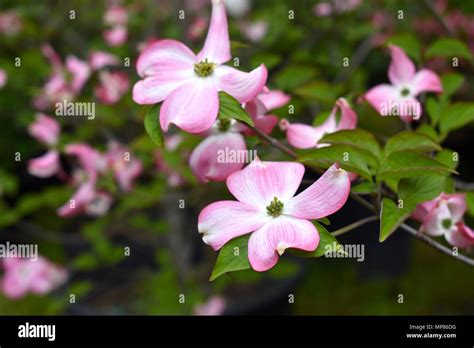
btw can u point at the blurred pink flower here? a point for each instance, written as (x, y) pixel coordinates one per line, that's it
(443, 216)
(215, 305)
(196, 29)
(112, 87)
(255, 31)
(65, 82)
(46, 165)
(124, 165)
(10, 23)
(189, 84)
(324, 9)
(91, 160)
(116, 36)
(116, 15)
(303, 136)
(3, 78)
(116, 18)
(399, 98)
(45, 129)
(22, 276)
(86, 200)
(100, 59)
(266, 208)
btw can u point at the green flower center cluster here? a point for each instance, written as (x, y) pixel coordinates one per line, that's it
(447, 223)
(275, 208)
(405, 92)
(204, 68)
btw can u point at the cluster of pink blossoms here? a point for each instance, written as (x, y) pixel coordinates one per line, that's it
(442, 216)
(23, 276)
(67, 80)
(188, 86)
(89, 166)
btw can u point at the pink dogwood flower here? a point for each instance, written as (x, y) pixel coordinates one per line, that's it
(65, 82)
(303, 136)
(23, 276)
(266, 208)
(126, 167)
(86, 200)
(442, 216)
(100, 59)
(219, 155)
(116, 36)
(399, 98)
(188, 83)
(260, 105)
(112, 87)
(46, 130)
(116, 17)
(46, 165)
(224, 151)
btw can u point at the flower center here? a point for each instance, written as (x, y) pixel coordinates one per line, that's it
(223, 124)
(405, 92)
(204, 68)
(447, 223)
(275, 207)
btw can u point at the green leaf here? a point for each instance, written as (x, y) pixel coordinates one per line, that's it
(232, 257)
(427, 130)
(419, 189)
(229, 107)
(364, 187)
(320, 91)
(448, 47)
(409, 140)
(409, 43)
(470, 203)
(434, 110)
(327, 244)
(324, 221)
(447, 157)
(456, 116)
(294, 76)
(353, 137)
(451, 83)
(391, 217)
(402, 164)
(152, 125)
(350, 158)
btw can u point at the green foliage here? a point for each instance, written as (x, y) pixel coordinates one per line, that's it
(352, 159)
(448, 47)
(391, 217)
(152, 124)
(402, 164)
(456, 116)
(232, 257)
(409, 140)
(229, 108)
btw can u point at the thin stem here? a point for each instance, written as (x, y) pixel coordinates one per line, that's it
(435, 245)
(354, 225)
